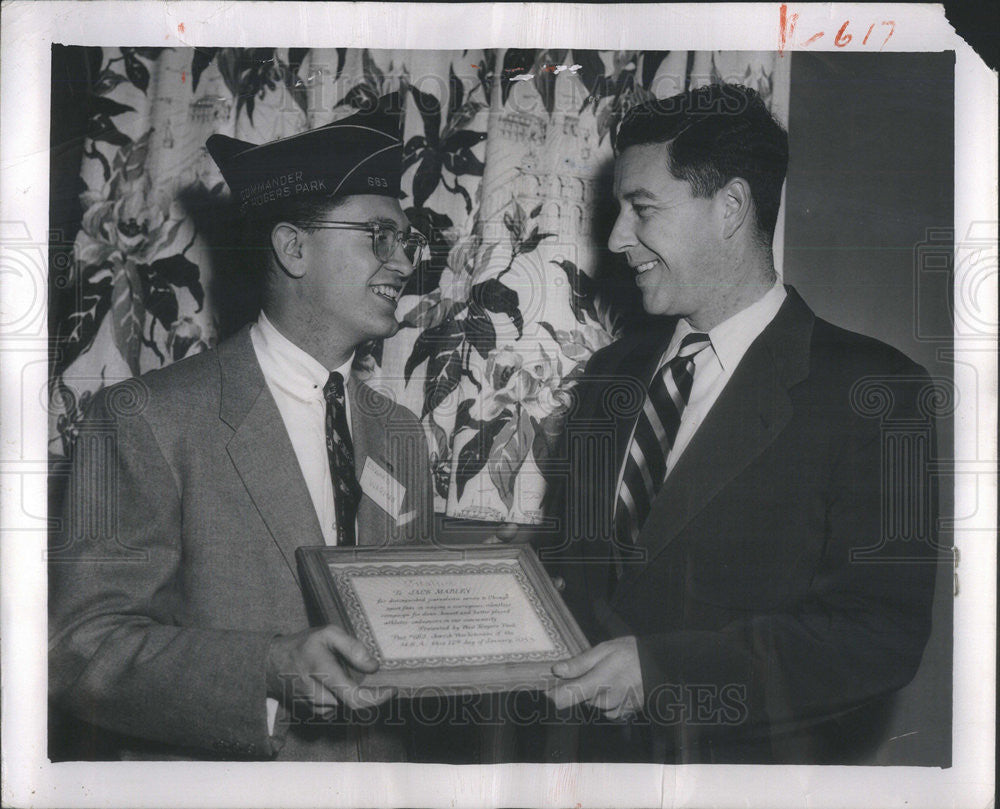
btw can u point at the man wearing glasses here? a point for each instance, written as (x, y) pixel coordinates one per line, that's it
(181, 627)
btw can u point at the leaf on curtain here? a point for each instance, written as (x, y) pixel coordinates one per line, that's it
(100, 105)
(185, 335)
(435, 227)
(473, 456)
(480, 331)
(427, 177)
(107, 81)
(76, 333)
(462, 163)
(651, 61)
(296, 56)
(581, 285)
(514, 221)
(160, 298)
(592, 75)
(293, 82)
(463, 139)
(368, 356)
(226, 61)
(494, 296)
(444, 371)
(531, 243)
(484, 72)
(515, 62)
(179, 272)
(258, 71)
(464, 420)
(456, 92)
(430, 111)
(604, 121)
(100, 128)
(151, 53)
(411, 151)
(425, 313)
(202, 59)
(135, 70)
(435, 341)
(372, 73)
(545, 76)
(360, 97)
(508, 453)
(128, 313)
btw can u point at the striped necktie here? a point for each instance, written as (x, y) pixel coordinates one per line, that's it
(340, 451)
(654, 435)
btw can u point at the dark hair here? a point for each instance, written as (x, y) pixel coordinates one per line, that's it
(713, 134)
(258, 223)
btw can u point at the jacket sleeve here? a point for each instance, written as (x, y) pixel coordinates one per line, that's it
(118, 656)
(859, 630)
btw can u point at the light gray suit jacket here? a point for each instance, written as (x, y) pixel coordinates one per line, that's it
(174, 564)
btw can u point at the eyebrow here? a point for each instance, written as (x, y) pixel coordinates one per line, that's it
(385, 220)
(638, 193)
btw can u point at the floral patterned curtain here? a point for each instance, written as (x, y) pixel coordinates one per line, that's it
(507, 155)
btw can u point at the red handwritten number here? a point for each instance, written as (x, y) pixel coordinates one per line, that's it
(892, 27)
(786, 28)
(842, 38)
(782, 23)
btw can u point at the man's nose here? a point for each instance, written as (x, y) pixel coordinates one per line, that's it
(621, 237)
(400, 262)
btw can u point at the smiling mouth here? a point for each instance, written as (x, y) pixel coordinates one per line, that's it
(644, 267)
(390, 293)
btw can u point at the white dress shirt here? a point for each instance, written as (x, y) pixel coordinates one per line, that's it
(296, 381)
(714, 366)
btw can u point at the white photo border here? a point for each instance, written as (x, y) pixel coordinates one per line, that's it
(28, 32)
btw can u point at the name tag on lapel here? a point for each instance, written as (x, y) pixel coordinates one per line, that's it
(382, 488)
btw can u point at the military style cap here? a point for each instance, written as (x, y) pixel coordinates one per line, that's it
(361, 154)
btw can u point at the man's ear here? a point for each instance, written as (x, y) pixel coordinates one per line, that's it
(737, 205)
(286, 242)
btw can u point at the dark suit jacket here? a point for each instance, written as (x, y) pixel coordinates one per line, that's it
(176, 562)
(757, 630)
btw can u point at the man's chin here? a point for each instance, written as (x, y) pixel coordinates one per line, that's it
(657, 308)
(387, 329)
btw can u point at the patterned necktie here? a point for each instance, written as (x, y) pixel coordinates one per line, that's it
(655, 432)
(340, 451)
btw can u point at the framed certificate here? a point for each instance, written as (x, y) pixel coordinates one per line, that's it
(440, 621)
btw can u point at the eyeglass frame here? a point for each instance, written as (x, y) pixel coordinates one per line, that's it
(374, 228)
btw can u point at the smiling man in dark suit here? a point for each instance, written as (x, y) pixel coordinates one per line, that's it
(177, 621)
(736, 580)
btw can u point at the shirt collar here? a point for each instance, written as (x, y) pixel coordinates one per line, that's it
(731, 338)
(286, 365)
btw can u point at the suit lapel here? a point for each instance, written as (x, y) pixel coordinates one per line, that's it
(262, 452)
(750, 412)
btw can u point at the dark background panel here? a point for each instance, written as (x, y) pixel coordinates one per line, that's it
(868, 244)
(869, 192)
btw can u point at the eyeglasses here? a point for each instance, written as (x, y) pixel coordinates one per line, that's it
(385, 238)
